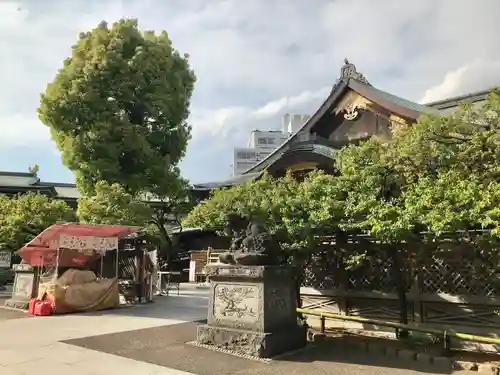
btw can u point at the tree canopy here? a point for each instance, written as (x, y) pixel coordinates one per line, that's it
(118, 108)
(111, 204)
(118, 111)
(25, 216)
(439, 175)
(295, 212)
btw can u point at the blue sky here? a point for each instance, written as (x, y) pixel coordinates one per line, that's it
(249, 57)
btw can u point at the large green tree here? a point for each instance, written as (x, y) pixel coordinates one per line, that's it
(118, 112)
(113, 205)
(438, 175)
(168, 208)
(297, 213)
(25, 216)
(118, 108)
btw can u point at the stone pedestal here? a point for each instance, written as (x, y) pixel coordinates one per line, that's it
(252, 310)
(25, 286)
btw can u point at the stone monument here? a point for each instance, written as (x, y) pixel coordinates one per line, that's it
(252, 303)
(25, 286)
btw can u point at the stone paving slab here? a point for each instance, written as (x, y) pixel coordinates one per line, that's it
(166, 346)
(31, 346)
(8, 314)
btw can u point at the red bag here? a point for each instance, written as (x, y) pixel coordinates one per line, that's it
(32, 304)
(43, 308)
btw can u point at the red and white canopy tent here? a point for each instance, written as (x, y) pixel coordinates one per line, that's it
(71, 244)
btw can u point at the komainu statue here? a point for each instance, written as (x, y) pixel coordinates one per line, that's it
(251, 244)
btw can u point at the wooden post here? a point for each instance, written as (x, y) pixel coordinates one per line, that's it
(209, 251)
(342, 280)
(139, 270)
(342, 287)
(416, 294)
(398, 278)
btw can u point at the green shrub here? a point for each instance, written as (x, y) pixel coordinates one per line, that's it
(6, 276)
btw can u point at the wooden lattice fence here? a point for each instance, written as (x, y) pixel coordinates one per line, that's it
(441, 290)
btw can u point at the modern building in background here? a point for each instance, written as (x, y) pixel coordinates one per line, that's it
(262, 143)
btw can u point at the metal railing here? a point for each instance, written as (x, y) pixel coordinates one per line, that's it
(445, 334)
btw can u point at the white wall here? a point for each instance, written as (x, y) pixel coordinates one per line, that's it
(262, 143)
(243, 159)
(262, 139)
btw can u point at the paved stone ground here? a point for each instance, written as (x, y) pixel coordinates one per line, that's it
(5, 294)
(150, 340)
(166, 346)
(32, 346)
(7, 314)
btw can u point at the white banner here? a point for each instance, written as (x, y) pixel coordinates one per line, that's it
(103, 244)
(79, 243)
(88, 243)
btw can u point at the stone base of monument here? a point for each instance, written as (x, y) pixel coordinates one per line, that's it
(25, 286)
(250, 343)
(252, 311)
(16, 304)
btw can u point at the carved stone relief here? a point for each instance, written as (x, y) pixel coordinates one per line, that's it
(23, 285)
(246, 343)
(252, 311)
(238, 303)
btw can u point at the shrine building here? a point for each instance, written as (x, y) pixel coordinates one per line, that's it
(354, 111)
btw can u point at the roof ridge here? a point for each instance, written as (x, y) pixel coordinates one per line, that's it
(16, 174)
(57, 184)
(458, 98)
(373, 93)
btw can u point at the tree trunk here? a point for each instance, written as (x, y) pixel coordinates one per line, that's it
(298, 283)
(300, 277)
(165, 243)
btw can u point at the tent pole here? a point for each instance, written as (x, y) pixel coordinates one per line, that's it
(102, 264)
(41, 270)
(117, 263)
(56, 272)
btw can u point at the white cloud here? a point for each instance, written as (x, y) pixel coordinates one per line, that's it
(223, 122)
(12, 15)
(475, 76)
(291, 104)
(249, 56)
(21, 130)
